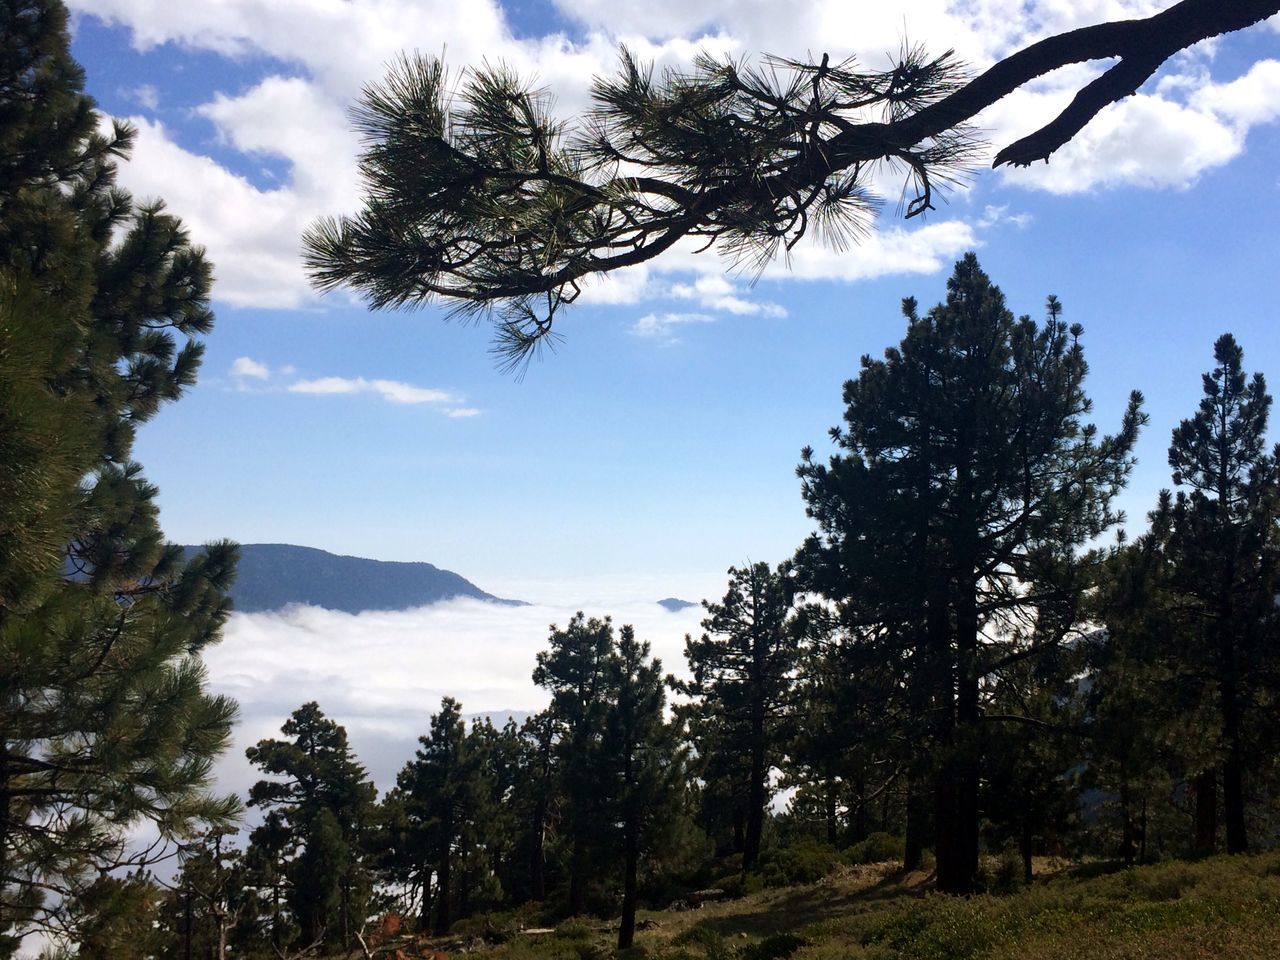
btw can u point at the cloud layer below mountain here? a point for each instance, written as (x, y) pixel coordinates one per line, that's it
(382, 674)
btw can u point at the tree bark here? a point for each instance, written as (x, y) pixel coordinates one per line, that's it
(627, 929)
(443, 920)
(756, 793)
(578, 876)
(1233, 765)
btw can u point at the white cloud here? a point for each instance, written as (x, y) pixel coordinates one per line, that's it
(247, 367)
(716, 293)
(993, 214)
(662, 325)
(1163, 138)
(146, 95)
(481, 653)
(463, 412)
(393, 391)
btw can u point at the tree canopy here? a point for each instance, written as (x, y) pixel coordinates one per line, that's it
(484, 200)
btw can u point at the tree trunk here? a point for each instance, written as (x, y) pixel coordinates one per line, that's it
(631, 861)
(914, 830)
(1233, 765)
(424, 911)
(1206, 794)
(578, 875)
(830, 812)
(1127, 840)
(537, 857)
(968, 723)
(1028, 837)
(443, 920)
(756, 792)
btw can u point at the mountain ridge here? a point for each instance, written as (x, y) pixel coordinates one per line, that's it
(273, 575)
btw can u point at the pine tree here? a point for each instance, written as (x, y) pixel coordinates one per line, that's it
(1228, 559)
(967, 481)
(576, 671)
(647, 768)
(438, 786)
(742, 677)
(105, 723)
(1144, 711)
(319, 816)
(477, 195)
(205, 901)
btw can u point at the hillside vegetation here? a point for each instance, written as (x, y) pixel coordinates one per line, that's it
(1222, 907)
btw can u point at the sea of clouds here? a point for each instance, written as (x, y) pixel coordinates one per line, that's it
(381, 674)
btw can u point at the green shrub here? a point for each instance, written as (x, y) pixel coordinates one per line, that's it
(1003, 874)
(777, 947)
(712, 944)
(805, 861)
(877, 848)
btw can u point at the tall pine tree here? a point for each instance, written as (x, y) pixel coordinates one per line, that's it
(1227, 560)
(743, 672)
(967, 481)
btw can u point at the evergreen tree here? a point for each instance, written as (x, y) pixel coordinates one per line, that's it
(848, 745)
(534, 797)
(576, 671)
(648, 771)
(476, 194)
(1143, 708)
(105, 723)
(438, 788)
(742, 677)
(206, 901)
(1227, 552)
(319, 818)
(499, 754)
(967, 480)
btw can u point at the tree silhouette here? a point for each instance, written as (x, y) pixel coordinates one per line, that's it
(484, 200)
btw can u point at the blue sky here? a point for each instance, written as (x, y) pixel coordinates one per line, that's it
(660, 440)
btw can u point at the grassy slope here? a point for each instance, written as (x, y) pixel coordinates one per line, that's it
(1219, 908)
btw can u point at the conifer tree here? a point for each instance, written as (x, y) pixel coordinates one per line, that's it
(1143, 707)
(1228, 559)
(322, 802)
(534, 797)
(438, 788)
(576, 671)
(647, 768)
(966, 482)
(105, 723)
(742, 677)
(478, 195)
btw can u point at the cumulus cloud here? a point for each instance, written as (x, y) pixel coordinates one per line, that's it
(716, 293)
(381, 674)
(247, 367)
(393, 391)
(663, 325)
(326, 52)
(146, 95)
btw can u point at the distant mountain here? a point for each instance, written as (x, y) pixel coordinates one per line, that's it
(674, 605)
(274, 575)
